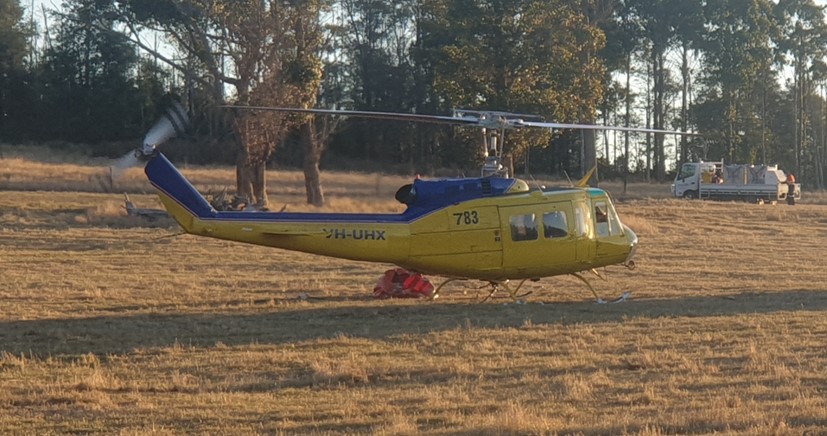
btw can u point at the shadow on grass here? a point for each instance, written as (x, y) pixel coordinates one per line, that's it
(374, 320)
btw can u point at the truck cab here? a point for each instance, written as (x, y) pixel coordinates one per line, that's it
(691, 175)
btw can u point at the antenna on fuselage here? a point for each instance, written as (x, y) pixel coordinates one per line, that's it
(536, 183)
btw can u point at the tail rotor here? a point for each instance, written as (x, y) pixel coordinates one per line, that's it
(174, 122)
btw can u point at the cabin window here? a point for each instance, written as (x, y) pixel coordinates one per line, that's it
(582, 224)
(555, 224)
(523, 227)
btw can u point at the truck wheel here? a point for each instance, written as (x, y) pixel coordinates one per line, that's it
(690, 194)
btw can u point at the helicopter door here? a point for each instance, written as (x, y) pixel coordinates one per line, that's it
(538, 237)
(583, 232)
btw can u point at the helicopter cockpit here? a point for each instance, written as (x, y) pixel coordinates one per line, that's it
(614, 238)
(606, 220)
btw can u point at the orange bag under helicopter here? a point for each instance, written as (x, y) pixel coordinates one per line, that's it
(401, 283)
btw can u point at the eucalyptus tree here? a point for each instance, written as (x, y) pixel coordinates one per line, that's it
(521, 56)
(12, 54)
(623, 39)
(305, 70)
(804, 39)
(663, 24)
(739, 65)
(86, 67)
(260, 52)
(12, 35)
(818, 114)
(376, 43)
(689, 37)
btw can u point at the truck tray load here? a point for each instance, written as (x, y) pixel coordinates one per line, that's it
(717, 181)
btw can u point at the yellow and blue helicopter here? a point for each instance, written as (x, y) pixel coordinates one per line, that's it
(489, 228)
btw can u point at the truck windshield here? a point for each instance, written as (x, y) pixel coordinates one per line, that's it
(687, 170)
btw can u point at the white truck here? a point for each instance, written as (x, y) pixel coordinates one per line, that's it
(716, 181)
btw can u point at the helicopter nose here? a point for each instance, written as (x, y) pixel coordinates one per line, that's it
(631, 238)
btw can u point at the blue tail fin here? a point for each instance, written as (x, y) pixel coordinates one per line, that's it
(167, 179)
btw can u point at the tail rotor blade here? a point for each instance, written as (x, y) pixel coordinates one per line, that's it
(123, 163)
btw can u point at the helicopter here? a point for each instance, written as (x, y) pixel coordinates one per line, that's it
(492, 228)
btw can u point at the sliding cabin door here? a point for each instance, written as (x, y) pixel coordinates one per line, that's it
(539, 239)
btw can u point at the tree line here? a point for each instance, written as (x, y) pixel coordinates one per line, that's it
(748, 76)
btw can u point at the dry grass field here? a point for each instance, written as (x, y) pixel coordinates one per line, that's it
(110, 325)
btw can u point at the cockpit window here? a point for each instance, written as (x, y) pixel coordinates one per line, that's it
(523, 227)
(601, 218)
(606, 220)
(614, 222)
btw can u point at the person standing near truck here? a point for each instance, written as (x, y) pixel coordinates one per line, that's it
(791, 189)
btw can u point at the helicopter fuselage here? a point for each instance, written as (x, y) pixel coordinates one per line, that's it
(491, 229)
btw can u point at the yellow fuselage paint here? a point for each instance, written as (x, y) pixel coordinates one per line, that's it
(472, 239)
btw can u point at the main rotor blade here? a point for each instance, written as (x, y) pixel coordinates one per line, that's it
(598, 127)
(466, 117)
(440, 119)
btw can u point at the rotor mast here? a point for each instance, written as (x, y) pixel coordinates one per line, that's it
(493, 141)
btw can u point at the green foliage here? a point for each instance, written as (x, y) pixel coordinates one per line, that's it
(752, 69)
(88, 64)
(518, 56)
(12, 36)
(12, 74)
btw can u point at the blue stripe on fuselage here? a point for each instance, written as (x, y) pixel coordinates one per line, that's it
(166, 178)
(434, 195)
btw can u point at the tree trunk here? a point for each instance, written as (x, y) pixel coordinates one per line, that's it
(312, 147)
(243, 177)
(802, 138)
(660, 88)
(684, 153)
(589, 152)
(648, 121)
(627, 120)
(259, 172)
(251, 180)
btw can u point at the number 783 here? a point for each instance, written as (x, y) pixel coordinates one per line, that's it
(468, 217)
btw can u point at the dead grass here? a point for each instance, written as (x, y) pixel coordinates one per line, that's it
(105, 328)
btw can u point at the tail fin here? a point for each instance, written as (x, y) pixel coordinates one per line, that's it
(172, 184)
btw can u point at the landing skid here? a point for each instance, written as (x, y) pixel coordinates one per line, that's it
(599, 300)
(515, 296)
(495, 286)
